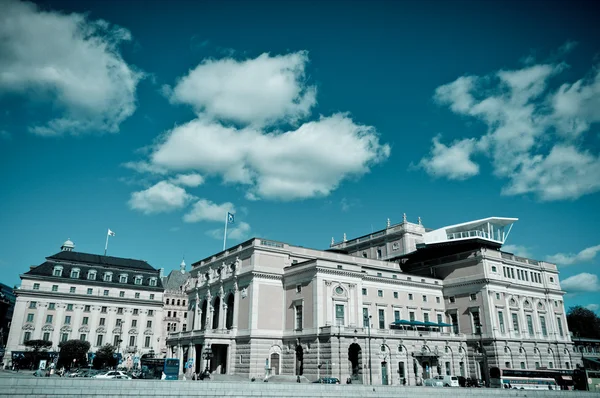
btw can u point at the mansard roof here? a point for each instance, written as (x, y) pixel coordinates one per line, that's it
(105, 261)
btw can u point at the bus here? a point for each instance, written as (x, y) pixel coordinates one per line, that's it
(154, 368)
(531, 379)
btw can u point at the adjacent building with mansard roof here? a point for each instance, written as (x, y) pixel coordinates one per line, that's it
(395, 306)
(100, 299)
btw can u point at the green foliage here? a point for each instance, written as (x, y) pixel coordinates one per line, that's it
(73, 350)
(583, 322)
(38, 345)
(104, 357)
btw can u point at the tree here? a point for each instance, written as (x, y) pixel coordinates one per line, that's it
(105, 357)
(583, 322)
(35, 347)
(73, 353)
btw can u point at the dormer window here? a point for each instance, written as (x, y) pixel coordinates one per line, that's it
(138, 280)
(108, 277)
(57, 271)
(91, 275)
(75, 273)
(123, 278)
(152, 281)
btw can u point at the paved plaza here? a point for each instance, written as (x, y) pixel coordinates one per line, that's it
(23, 385)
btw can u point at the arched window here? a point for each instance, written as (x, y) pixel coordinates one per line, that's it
(167, 302)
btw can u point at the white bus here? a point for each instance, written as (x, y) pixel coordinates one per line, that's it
(522, 379)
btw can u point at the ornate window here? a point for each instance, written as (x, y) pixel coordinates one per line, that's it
(75, 273)
(107, 277)
(91, 275)
(57, 271)
(153, 281)
(123, 278)
(138, 280)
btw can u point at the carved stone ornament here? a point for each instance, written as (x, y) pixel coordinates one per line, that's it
(148, 332)
(133, 331)
(244, 292)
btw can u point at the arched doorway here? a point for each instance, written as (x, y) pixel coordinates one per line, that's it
(216, 312)
(229, 316)
(299, 360)
(355, 358)
(203, 319)
(275, 364)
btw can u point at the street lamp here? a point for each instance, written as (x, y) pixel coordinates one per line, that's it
(207, 355)
(368, 319)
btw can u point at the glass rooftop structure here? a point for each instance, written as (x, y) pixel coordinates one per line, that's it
(494, 229)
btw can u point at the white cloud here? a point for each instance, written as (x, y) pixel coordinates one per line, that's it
(517, 250)
(564, 259)
(145, 167)
(307, 162)
(583, 282)
(240, 231)
(565, 173)
(160, 198)
(593, 307)
(72, 61)
(205, 210)
(253, 91)
(453, 162)
(188, 180)
(530, 131)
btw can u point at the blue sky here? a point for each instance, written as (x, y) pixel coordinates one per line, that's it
(306, 119)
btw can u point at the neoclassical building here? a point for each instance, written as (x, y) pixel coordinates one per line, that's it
(100, 299)
(392, 307)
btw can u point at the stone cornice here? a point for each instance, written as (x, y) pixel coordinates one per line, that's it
(85, 297)
(94, 283)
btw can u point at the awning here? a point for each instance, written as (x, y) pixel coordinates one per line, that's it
(432, 324)
(596, 360)
(445, 325)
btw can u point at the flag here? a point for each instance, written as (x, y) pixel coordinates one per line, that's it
(230, 218)
(111, 233)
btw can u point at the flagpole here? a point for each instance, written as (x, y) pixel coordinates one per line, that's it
(106, 245)
(225, 235)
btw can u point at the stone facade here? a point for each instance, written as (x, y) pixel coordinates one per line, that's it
(175, 309)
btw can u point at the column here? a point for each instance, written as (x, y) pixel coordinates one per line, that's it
(180, 357)
(236, 307)
(222, 313)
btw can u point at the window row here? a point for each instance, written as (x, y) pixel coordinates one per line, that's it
(541, 325)
(99, 339)
(365, 292)
(172, 302)
(85, 320)
(523, 275)
(106, 276)
(88, 308)
(90, 291)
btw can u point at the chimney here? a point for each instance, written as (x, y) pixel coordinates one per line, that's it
(161, 272)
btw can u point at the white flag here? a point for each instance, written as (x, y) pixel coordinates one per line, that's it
(111, 233)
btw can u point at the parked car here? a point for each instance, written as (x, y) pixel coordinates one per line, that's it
(451, 381)
(113, 374)
(327, 380)
(436, 381)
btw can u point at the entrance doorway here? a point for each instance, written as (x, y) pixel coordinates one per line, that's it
(426, 370)
(355, 358)
(299, 360)
(384, 373)
(218, 363)
(274, 364)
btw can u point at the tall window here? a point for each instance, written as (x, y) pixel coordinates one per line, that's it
(29, 317)
(102, 321)
(117, 340)
(529, 324)
(131, 341)
(522, 365)
(85, 320)
(476, 322)
(411, 316)
(560, 329)
(299, 317)
(501, 321)
(515, 320)
(448, 369)
(82, 337)
(134, 323)
(395, 295)
(339, 314)
(543, 324)
(147, 342)
(149, 324)
(396, 315)
(381, 319)
(68, 320)
(64, 337)
(46, 336)
(99, 340)
(48, 318)
(365, 317)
